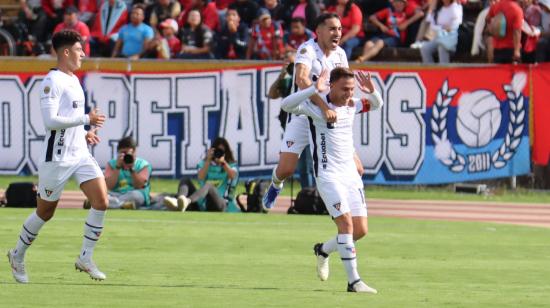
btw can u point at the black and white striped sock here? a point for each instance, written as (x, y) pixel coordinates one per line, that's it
(28, 234)
(92, 231)
(346, 248)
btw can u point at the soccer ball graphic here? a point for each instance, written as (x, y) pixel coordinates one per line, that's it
(478, 118)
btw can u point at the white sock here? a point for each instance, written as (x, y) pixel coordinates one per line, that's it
(29, 232)
(92, 230)
(275, 180)
(346, 248)
(330, 246)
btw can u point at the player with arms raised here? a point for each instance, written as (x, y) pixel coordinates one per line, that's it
(312, 56)
(65, 154)
(338, 182)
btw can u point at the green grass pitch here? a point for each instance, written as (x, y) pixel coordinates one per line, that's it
(163, 259)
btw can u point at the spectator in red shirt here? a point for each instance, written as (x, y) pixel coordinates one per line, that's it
(351, 18)
(393, 23)
(297, 35)
(111, 17)
(168, 46)
(505, 19)
(71, 22)
(531, 30)
(54, 10)
(267, 41)
(208, 11)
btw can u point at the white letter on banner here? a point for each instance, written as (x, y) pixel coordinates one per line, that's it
(36, 130)
(111, 94)
(405, 104)
(12, 125)
(153, 96)
(273, 132)
(239, 118)
(369, 136)
(196, 95)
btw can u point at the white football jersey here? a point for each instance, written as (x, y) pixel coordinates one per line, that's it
(311, 55)
(62, 105)
(332, 143)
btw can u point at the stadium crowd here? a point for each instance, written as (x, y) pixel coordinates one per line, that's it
(505, 30)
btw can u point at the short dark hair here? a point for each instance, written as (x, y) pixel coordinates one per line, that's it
(65, 38)
(339, 73)
(126, 143)
(323, 17)
(298, 19)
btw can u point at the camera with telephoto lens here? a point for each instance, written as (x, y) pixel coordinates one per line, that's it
(218, 153)
(128, 158)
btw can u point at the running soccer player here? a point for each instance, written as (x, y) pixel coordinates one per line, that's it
(65, 154)
(338, 182)
(311, 57)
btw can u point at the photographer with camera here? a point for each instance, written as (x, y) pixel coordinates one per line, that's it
(127, 177)
(217, 177)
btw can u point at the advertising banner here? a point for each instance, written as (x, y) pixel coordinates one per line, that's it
(437, 125)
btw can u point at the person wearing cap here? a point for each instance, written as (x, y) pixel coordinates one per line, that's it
(393, 23)
(232, 40)
(71, 22)
(163, 10)
(508, 16)
(266, 42)
(543, 45)
(168, 46)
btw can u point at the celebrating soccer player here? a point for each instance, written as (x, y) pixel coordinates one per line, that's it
(311, 57)
(65, 154)
(339, 184)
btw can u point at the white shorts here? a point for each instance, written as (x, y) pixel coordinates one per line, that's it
(53, 175)
(296, 136)
(341, 198)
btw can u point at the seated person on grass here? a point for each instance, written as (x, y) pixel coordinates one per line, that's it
(217, 177)
(127, 177)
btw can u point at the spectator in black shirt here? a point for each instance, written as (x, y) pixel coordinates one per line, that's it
(233, 38)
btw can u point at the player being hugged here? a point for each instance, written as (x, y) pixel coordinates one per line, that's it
(338, 181)
(312, 57)
(65, 154)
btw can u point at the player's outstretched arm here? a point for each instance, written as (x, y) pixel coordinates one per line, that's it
(366, 85)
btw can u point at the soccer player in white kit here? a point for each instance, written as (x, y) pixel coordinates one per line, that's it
(65, 154)
(311, 57)
(338, 182)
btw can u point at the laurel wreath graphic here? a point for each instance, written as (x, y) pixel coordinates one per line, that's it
(515, 127)
(444, 149)
(455, 161)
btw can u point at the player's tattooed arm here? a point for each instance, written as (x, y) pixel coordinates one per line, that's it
(303, 82)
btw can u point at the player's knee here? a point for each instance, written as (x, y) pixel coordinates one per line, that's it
(345, 226)
(100, 204)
